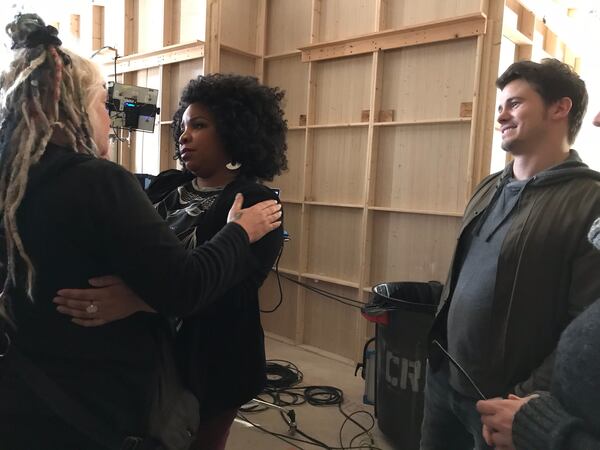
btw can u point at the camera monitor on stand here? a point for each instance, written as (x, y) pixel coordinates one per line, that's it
(132, 107)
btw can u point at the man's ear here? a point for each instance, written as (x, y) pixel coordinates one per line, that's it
(560, 109)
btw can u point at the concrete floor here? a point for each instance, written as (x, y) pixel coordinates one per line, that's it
(320, 422)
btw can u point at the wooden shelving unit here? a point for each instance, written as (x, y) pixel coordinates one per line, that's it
(390, 107)
(376, 197)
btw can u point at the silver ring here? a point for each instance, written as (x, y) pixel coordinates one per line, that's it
(92, 308)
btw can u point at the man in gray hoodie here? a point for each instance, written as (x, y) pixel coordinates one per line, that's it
(522, 269)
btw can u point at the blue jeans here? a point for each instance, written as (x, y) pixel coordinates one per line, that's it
(450, 420)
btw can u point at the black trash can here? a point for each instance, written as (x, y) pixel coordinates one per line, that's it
(403, 312)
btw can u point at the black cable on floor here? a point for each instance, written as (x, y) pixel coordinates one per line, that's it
(283, 380)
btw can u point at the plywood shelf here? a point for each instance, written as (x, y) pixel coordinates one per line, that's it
(416, 211)
(166, 122)
(240, 52)
(516, 36)
(167, 55)
(470, 25)
(284, 55)
(337, 205)
(333, 280)
(423, 122)
(289, 271)
(338, 125)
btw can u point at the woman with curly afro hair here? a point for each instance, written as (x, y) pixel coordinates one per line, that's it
(231, 135)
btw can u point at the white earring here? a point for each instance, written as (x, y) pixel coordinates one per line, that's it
(233, 166)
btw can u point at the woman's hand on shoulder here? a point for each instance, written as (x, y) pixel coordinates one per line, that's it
(108, 300)
(257, 220)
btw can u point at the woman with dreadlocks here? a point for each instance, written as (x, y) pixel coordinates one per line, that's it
(67, 216)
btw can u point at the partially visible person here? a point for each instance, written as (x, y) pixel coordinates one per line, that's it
(567, 417)
(68, 216)
(522, 269)
(231, 135)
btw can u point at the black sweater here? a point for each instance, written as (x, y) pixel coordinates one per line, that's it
(568, 417)
(221, 349)
(83, 217)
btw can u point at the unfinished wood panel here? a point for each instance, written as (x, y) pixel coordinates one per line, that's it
(499, 156)
(400, 13)
(290, 181)
(359, 167)
(189, 20)
(235, 63)
(411, 247)
(288, 25)
(147, 145)
(119, 29)
(238, 24)
(526, 23)
(484, 103)
(291, 75)
(333, 242)
(342, 89)
(539, 39)
(330, 325)
(442, 75)
(511, 16)
(97, 27)
(283, 320)
(180, 75)
(148, 31)
(338, 162)
(290, 257)
(423, 167)
(553, 46)
(344, 18)
(167, 148)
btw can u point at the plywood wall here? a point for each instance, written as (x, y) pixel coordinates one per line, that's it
(379, 152)
(390, 107)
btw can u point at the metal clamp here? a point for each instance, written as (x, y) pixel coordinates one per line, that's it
(290, 413)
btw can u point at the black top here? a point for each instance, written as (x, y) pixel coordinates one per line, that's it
(221, 349)
(83, 217)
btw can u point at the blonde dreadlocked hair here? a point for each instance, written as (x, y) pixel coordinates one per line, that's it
(45, 89)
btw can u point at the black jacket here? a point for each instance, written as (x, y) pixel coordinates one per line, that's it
(221, 349)
(547, 273)
(83, 217)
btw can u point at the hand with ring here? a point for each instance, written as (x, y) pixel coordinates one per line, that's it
(108, 299)
(92, 308)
